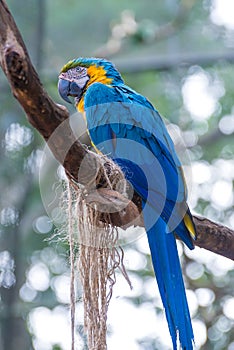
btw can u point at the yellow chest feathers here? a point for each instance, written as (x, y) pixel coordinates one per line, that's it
(96, 74)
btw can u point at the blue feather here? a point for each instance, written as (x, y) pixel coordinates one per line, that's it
(170, 282)
(145, 151)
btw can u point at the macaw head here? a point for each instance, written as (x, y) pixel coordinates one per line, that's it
(77, 75)
(72, 82)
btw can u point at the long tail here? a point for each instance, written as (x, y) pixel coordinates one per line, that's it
(170, 283)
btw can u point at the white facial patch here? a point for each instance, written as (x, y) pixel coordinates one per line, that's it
(78, 75)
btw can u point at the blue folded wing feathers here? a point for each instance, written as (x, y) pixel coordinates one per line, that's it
(147, 141)
(143, 147)
(106, 107)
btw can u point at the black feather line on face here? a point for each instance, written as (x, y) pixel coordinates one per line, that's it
(74, 74)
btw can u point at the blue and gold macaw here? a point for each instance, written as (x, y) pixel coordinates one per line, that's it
(125, 126)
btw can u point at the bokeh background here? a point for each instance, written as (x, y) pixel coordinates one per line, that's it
(180, 54)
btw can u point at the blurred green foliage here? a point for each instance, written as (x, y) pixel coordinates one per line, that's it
(34, 269)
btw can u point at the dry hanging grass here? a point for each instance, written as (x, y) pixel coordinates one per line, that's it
(98, 252)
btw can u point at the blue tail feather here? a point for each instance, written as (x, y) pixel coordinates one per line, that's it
(170, 283)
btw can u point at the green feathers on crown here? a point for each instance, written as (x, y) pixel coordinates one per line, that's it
(111, 71)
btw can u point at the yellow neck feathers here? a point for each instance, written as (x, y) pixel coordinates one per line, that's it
(96, 74)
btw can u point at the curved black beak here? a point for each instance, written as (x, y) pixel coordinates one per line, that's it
(64, 89)
(69, 88)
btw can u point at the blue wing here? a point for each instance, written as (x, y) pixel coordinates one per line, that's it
(125, 126)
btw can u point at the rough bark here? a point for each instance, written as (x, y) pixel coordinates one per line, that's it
(51, 120)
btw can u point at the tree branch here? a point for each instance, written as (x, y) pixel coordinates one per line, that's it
(51, 120)
(212, 236)
(26, 87)
(167, 62)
